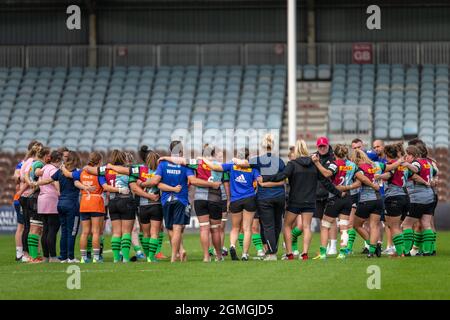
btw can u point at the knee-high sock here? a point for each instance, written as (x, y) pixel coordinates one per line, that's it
(146, 246)
(372, 248)
(428, 237)
(241, 239)
(295, 233)
(160, 242)
(398, 243)
(351, 239)
(153, 246)
(33, 245)
(115, 246)
(257, 242)
(418, 240)
(433, 246)
(126, 246)
(408, 237)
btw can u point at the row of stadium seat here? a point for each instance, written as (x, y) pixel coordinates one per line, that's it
(135, 105)
(406, 100)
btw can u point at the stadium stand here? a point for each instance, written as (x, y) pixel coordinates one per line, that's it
(123, 107)
(102, 109)
(407, 101)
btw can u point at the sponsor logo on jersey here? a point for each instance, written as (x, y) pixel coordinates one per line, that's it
(205, 167)
(372, 170)
(170, 171)
(237, 168)
(146, 175)
(240, 179)
(135, 170)
(345, 168)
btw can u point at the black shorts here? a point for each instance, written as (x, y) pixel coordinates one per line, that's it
(247, 204)
(320, 208)
(366, 208)
(88, 215)
(151, 212)
(355, 199)
(300, 210)
(436, 199)
(224, 206)
(417, 210)
(32, 205)
(336, 206)
(106, 213)
(36, 219)
(122, 209)
(383, 212)
(396, 206)
(211, 208)
(23, 201)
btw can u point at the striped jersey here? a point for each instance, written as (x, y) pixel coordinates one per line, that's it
(396, 185)
(142, 172)
(343, 173)
(420, 193)
(115, 180)
(368, 193)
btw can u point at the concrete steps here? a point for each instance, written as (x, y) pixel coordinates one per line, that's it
(312, 114)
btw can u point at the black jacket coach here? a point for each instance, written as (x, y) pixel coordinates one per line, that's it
(303, 179)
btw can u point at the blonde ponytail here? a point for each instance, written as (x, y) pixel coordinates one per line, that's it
(268, 141)
(359, 156)
(301, 149)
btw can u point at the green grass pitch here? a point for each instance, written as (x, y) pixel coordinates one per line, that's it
(407, 278)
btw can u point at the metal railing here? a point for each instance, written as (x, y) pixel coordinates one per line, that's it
(216, 54)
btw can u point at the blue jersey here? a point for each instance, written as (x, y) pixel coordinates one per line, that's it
(268, 165)
(68, 191)
(19, 165)
(242, 181)
(381, 164)
(173, 175)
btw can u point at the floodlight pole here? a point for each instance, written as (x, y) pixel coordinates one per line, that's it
(292, 69)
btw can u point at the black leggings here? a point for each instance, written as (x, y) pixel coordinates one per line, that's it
(26, 222)
(271, 214)
(49, 232)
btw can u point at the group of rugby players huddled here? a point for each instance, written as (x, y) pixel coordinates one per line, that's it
(385, 192)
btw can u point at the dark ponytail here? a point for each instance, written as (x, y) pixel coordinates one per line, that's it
(143, 152)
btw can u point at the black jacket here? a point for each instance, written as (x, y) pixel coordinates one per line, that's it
(322, 192)
(303, 178)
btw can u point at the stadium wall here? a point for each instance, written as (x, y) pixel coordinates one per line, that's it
(40, 28)
(147, 26)
(217, 54)
(224, 25)
(397, 24)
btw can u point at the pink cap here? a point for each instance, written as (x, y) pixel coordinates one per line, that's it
(322, 141)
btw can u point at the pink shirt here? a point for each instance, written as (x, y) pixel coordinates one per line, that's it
(48, 195)
(25, 170)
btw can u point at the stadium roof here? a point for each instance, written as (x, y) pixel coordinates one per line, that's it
(129, 4)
